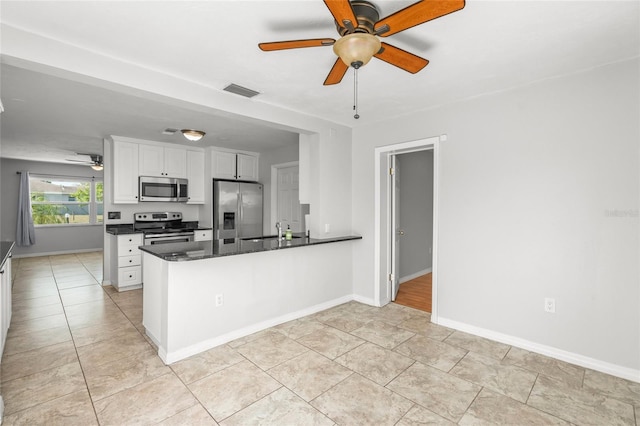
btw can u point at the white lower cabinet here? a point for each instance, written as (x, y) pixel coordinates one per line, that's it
(126, 272)
(5, 300)
(129, 276)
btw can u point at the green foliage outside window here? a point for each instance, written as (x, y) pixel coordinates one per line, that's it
(68, 202)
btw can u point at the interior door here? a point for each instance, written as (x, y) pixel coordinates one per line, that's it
(289, 210)
(394, 176)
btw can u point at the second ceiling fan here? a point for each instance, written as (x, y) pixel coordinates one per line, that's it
(359, 26)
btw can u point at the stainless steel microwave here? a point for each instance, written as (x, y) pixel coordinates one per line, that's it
(163, 189)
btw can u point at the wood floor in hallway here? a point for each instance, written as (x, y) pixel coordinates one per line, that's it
(416, 293)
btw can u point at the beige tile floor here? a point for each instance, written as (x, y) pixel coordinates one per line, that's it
(76, 354)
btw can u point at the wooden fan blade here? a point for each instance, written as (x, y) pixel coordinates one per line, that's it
(342, 13)
(401, 58)
(416, 14)
(338, 71)
(295, 44)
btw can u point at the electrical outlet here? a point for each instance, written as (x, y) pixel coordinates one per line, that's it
(550, 305)
(219, 300)
(326, 228)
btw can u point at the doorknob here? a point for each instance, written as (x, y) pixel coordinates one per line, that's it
(401, 232)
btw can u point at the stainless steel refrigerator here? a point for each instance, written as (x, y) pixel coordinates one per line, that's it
(237, 209)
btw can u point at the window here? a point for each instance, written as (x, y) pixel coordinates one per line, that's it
(66, 200)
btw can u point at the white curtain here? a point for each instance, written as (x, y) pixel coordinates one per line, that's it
(25, 232)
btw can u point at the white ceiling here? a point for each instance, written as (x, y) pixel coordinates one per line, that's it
(486, 47)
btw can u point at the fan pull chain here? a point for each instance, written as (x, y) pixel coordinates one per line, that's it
(355, 92)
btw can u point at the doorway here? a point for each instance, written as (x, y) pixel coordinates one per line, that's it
(387, 273)
(286, 190)
(413, 210)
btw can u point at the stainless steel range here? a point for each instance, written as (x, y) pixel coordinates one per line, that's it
(163, 227)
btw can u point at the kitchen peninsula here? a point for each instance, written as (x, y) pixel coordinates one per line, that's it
(200, 295)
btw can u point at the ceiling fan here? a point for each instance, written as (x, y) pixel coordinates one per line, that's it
(359, 26)
(95, 163)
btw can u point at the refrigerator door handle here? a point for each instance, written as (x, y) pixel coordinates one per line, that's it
(241, 204)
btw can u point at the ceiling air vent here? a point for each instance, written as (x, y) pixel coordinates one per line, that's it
(169, 131)
(242, 91)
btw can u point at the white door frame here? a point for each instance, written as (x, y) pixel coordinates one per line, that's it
(274, 189)
(382, 232)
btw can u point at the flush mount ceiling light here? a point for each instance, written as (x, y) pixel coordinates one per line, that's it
(193, 135)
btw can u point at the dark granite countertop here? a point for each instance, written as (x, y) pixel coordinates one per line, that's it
(5, 251)
(121, 229)
(127, 228)
(219, 248)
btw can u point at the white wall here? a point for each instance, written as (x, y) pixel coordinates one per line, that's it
(48, 239)
(531, 219)
(415, 171)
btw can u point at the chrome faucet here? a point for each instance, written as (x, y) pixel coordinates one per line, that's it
(279, 227)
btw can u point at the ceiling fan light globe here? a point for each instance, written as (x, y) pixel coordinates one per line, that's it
(357, 48)
(97, 167)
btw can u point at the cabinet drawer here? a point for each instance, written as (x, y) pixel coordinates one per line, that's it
(129, 251)
(204, 235)
(134, 260)
(128, 244)
(130, 275)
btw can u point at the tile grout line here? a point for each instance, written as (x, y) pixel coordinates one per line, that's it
(75, 348)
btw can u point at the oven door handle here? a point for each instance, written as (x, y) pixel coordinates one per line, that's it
(160, 240)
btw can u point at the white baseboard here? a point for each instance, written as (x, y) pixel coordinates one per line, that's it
(364, 300)
(174, 356)
(54, 253)
(570, 357)
(416, 275)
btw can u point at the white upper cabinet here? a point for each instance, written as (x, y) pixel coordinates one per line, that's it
(162, 161)
(247, 167)
(133, 158)
(195, 175)
(234, 165)
(223, 164)
(125, 172)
